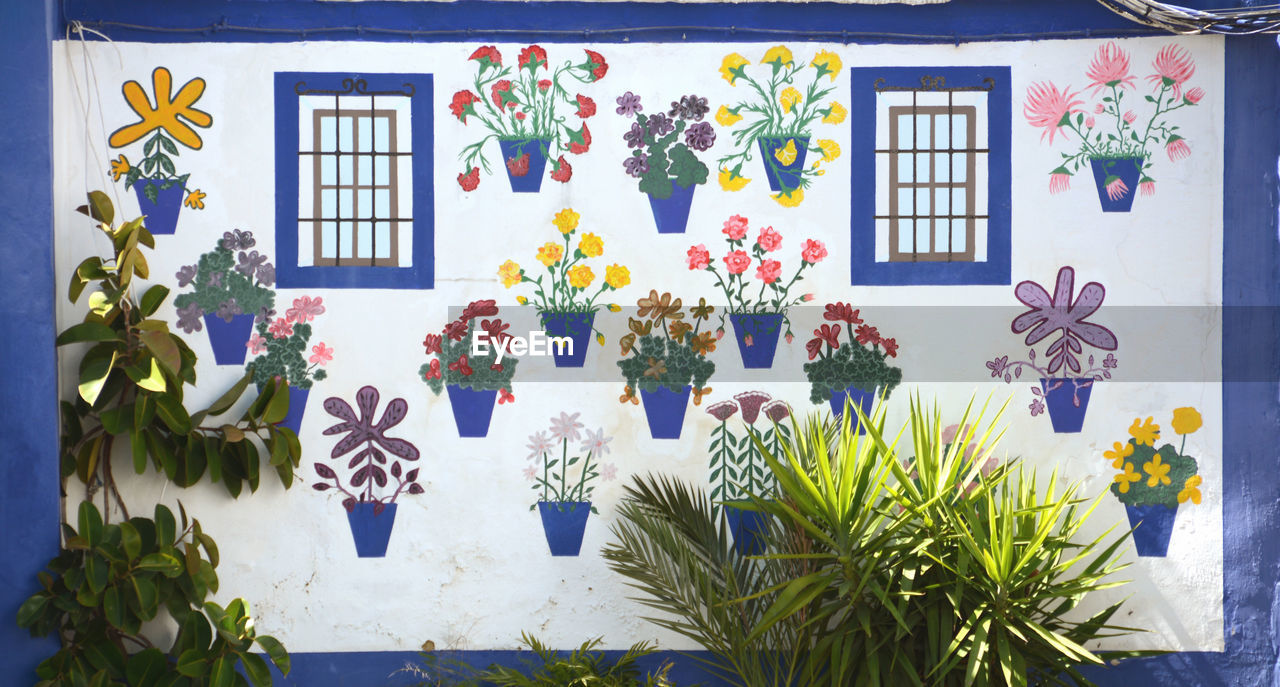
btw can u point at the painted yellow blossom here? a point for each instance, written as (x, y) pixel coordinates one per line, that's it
(1126, 478)
(789, 98)
(600, 338)
(1158, 470)
(522, 300)
(195, 200)
(614, 307)
(580, 277)
(828, 63)
(616, 276)
(732, 181)
(835, 114)
(778, 56)
(790, 199)
(550, 253)
(786, 154)
(566, 220)
(165, 115)
(1186, 420)
(1190, 490)
(830, 149)
(119, 168)
(1118, 454)
(591, 245)
(731, 67)
(1144, 432)
(727, 117)
(509, 273)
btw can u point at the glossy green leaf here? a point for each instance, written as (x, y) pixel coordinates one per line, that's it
(87, 331)
(193, 663)
(154, 381)
(223, 672)
(131, 540)
(163, 563)
(147, 596)
(278, 408)
(172, 413)
(228, 399)
(90, 523)
(256, 669)
(31, 610)
(113, 606)
(99, 208)
(161, 345)
(94, 369)
(146, 668)
(276, 651)
(166, 528)
(138, 451)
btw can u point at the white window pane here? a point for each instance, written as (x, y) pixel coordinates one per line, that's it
(960, 131)
(383, 234)
(365, 135)
(923, 206)
(329, 240)
(905, 168)
(364, 171)
(382, 203)
(364, 239)
(364, 203)
(328, 170)
(942, 164)
(922, 166)
(344, 204)
(382, 169)
(958, 236)
(941, 202)
(922, 235)
(329, 203)
(922, 131)
(905, 140)
(404, 246)
(905, 236)
(940, 139)
(381, 135)
(905, 204)
(344, 134)
(345, 174)
(328, 137)
(344, 239)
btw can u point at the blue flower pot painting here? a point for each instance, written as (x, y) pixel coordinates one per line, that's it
(228, 338)
(1152, 527)
(763, 330)
(563, 523)
(1066, 402)
(525, 163)
(371, 525)
(1117, 180)
(750, 529)
(664, 409)
(864, 400)
(297, 406)
(472, 410)
(162, 215)
(783, 177)
(671, 214)
(575, 326)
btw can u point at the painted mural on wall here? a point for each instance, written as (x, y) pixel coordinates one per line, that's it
(533, 110)
(527, 111)
(1115, 139)
(165, 122)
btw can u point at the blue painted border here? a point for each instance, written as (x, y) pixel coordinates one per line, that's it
(421, 275)
(1251, 266)
(28, 393)
(863, 268)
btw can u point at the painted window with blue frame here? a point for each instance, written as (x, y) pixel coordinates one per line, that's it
(931, 173)
(354, 196)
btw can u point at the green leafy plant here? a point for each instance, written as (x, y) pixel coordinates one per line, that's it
(737, 465)
(660, 160)
(112, 578)
(455, 347)
(669, 352)
(222, 287)
(583, 667)
(131, 382)
(1168, 476)
(860, 362)
(281, 347)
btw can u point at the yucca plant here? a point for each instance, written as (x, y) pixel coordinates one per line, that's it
(936, 568)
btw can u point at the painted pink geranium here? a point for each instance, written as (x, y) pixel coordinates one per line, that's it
(1110, 68)
(1174, 66)
(305, 309)
(320, 354)
(256, 344)
(281, 328)
(1047, 108)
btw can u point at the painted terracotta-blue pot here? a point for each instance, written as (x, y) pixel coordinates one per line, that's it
(750, 529)
(864, 400)
(763, 330)
(576, 326)
(228, 338)
(664, 409)
(530, 181)
(563, 523)
(472, 409)
(371, 531)
(671, 214)
(297, 406)
(1065, 403)
(1152, 527)
(1128, 170)
(782, 176)
(162, 215)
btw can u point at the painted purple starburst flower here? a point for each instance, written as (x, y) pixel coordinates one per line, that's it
(690, 107)
(264, 314)
(660, 124)
(215, 279)
(998, 366)
(368, 462)
(189, 318)
(636, 165)
(228, 309)
(1060, 313)
(700, 136)
(186, 274)
(635, 137)
(723, 410)
(250, 262)
(266, 274)
(629, 104)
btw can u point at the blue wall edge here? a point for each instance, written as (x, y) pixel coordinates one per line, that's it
(1251, 266)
